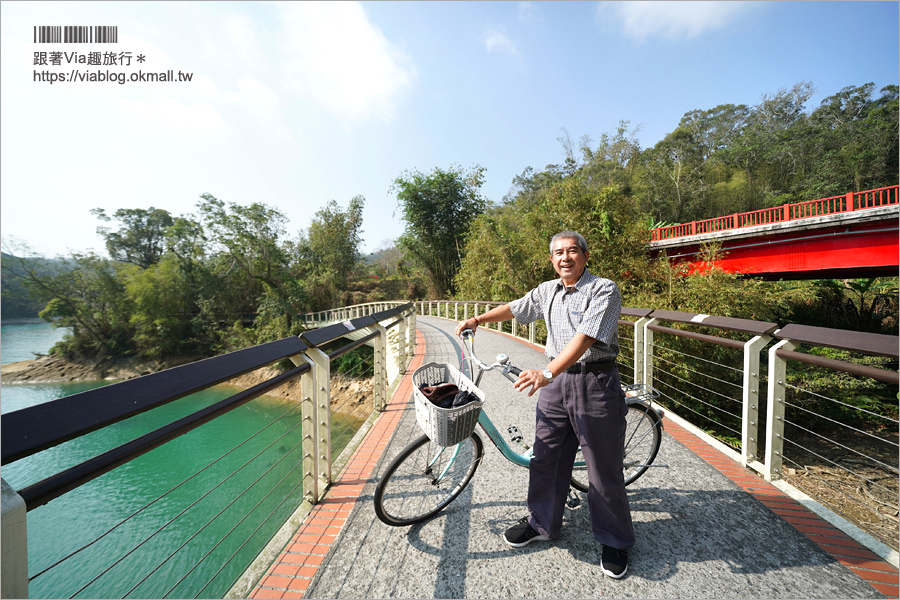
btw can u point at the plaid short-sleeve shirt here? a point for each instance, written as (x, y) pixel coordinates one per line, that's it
(592, 306)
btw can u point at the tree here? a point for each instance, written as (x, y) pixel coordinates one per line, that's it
(438, 209)
(250, 270)
(141, 238)
(86, 294)
(333, 238)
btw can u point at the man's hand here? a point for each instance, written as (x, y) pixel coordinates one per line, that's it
(470, 323)
(532, 378)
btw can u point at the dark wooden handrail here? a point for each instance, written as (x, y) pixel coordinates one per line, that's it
(56, 485)
(36, 428)
(854, 341)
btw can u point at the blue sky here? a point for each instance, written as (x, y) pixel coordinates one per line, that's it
(296, 104)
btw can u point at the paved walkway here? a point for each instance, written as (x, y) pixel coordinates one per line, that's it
(706, 527)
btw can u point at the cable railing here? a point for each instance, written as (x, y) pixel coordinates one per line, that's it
(738, 384)
(200, 525)
(836, 441)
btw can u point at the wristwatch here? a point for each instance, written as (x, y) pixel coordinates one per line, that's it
(548, 374)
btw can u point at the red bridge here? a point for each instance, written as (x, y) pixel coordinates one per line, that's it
(849, 236)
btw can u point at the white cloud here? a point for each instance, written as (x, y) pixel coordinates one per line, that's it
(335, 57)
(497, 41)
(671, 20)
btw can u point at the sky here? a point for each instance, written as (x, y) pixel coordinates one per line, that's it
(297, 104)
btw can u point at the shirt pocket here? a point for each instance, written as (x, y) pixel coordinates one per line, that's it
(578, 307)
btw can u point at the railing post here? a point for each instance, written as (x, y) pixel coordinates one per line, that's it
(531, 332)
(13, 544)
(775, 411)
(750, 416)
(309, 446)
(647, 371)
(456, 310)
(849, 206)
(320, 396)
(466, 312)
(639, 349)
(411, 334)
(380, 368)
(402, 343)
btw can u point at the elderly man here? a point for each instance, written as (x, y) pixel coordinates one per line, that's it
(581, 402)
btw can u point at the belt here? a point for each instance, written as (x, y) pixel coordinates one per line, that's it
(592, 367)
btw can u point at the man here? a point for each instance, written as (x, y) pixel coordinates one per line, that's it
(581, 404)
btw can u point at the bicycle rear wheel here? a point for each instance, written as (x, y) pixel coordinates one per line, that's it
(424, 478)
(643, 436)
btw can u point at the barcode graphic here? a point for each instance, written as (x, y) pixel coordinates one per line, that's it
(76, 34)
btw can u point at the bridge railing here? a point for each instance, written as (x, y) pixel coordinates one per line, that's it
(307, 441)
(812, 407)
(849, 202)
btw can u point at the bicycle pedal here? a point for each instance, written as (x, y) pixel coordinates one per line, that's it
(573, 501)
(514, 432)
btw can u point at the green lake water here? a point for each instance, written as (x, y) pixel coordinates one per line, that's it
(193, 541)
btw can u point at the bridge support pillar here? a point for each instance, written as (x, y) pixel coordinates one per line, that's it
(13, 544)
(775, 411)
(750, 420)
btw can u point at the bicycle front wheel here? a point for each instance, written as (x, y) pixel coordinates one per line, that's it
(643, 436)
(424, 478)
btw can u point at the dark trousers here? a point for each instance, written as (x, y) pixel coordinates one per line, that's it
(587, 409)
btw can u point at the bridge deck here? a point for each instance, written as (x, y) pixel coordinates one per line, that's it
(705, 526)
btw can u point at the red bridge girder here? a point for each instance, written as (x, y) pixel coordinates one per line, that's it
(833, 247)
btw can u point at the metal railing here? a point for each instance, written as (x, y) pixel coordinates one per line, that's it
(307, 441)
(849, 202)
(742, 385)
(827, 426)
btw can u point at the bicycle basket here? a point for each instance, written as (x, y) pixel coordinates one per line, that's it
(445, 426)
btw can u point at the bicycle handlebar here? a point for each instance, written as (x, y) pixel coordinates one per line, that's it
(502, 362)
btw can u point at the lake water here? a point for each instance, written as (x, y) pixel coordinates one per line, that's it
(184, 520)
(19, 341)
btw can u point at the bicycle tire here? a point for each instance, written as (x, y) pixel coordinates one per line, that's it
(409, 493)
(643, 437)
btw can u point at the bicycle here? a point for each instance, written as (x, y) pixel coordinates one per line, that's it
(427, 476)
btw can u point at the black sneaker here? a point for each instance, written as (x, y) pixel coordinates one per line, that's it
(522, 534)
(613, 562)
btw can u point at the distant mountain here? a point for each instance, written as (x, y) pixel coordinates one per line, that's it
(16, 301)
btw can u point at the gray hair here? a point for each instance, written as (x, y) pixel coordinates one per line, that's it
(570, 235)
